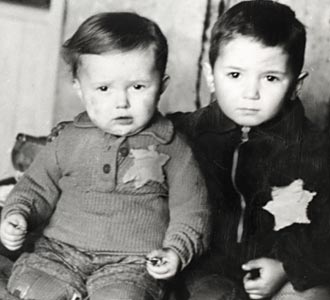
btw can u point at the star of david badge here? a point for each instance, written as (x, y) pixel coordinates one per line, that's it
(289, 204)
(147, 166)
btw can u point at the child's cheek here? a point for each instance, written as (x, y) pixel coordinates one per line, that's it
(92, 105)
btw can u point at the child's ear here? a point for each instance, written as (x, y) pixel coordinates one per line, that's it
(299, 84)
(77, 87)
(164, 84)
(208, 74)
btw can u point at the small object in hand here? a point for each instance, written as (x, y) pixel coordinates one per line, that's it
(155, 261)
(18, 227)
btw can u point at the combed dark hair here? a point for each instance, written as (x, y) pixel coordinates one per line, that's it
(123, 31)
(269, 22)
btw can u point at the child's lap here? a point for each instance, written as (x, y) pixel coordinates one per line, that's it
(202, 286)
(84, 272)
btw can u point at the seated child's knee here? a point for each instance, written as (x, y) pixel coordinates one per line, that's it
(38, 285)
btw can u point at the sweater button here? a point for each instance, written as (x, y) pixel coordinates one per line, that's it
(123, 151)
(106, 168)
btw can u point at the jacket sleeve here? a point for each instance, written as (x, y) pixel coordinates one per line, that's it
(188, 233)
(36, 193)
(304, 248)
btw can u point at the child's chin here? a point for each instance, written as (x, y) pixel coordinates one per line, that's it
(122, 131)
(247, 122)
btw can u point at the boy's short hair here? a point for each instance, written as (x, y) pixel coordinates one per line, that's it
(115, 31)
(266, 21)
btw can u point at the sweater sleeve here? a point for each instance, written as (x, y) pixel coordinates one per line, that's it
(188, 233)
(303, 248)
(36, 193)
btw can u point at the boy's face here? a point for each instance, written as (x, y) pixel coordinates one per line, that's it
(120, 90)
(251, 81)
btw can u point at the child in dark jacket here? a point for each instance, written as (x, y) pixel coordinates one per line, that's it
(265, 163)
(117, 187)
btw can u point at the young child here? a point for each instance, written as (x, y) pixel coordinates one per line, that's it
(265, 163)
(117, 186)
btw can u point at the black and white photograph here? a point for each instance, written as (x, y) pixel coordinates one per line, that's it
(164, 150)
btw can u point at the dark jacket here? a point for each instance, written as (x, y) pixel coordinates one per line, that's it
(243, 170)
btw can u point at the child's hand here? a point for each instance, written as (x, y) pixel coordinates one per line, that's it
(12, 231)
(163, 263)
(271, 277)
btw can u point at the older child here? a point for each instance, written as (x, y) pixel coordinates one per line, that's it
(117, 185)
(265, 163)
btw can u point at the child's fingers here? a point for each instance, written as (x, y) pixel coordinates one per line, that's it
(247, 277)
(18, 222)
(160, 268)
(252, 264)
(13, 248)
(155, 261)
(255, 296)
(163, 271)
(14, 230)
(162, 263)
(252, 284)
(157, 274)
(155, 253)
(156, 258)
(12, 245)
(13, 237)
(11, 242)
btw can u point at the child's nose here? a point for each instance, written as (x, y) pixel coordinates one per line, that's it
(251, 90)
(122, 100)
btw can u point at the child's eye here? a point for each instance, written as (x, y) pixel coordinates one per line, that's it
(138, 86)
(234, 74)
(272, 78)
(103, 88)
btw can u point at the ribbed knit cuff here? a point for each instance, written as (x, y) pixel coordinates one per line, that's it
(14, 210)
(181, 248)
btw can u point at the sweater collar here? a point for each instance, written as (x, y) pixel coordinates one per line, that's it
(284, 125)
(159, 127)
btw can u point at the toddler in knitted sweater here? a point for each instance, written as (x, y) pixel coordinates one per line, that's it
(117, 186)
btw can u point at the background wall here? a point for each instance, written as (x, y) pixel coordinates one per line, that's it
(29, 49)
(35, 86)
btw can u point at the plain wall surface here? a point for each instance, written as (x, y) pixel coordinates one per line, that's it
(30, 39)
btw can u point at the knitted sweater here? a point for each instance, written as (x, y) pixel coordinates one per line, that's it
(120, 195)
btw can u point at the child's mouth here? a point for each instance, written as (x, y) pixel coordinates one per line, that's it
(248, 111)
(124, 120)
